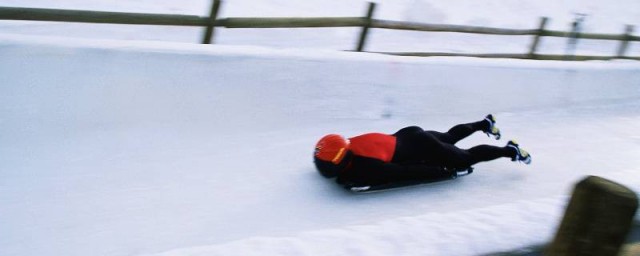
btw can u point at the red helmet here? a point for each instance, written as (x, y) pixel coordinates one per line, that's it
(329, 154)
(331, 148)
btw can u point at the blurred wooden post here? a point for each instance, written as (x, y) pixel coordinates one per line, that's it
(623, 45)
(536, 39)
(208, 34)
(597, 219)
(365, 28)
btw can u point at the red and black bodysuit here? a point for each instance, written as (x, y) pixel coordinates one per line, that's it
(413, 153)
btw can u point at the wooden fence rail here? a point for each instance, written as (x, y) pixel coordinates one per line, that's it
(366, 22)
(292, 22)
(402, 25)
(38, 14)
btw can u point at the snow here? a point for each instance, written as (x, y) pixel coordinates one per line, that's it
(146, 147)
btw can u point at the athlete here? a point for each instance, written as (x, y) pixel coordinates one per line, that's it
(409, 154)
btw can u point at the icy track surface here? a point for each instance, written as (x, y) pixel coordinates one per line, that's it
(182, 150)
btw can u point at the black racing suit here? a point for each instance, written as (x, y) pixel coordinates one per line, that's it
(421, 154)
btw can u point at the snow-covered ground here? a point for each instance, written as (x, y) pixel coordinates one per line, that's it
(111, 147)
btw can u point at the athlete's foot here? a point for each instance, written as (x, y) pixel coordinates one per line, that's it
(492, 130)
(521, 154)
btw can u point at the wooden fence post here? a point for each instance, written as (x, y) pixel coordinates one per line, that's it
(623, 45)
(208, 34)
(536, 39)
(597, 219)
(365, 28)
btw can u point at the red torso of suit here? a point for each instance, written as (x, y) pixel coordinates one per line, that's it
(374, 145)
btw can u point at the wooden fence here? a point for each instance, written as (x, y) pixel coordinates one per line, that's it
(366, 22)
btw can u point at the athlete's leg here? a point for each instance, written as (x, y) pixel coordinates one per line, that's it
(452, 156)
(462, 131)
(416, 146)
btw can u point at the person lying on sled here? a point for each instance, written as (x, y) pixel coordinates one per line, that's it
(409, 154)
